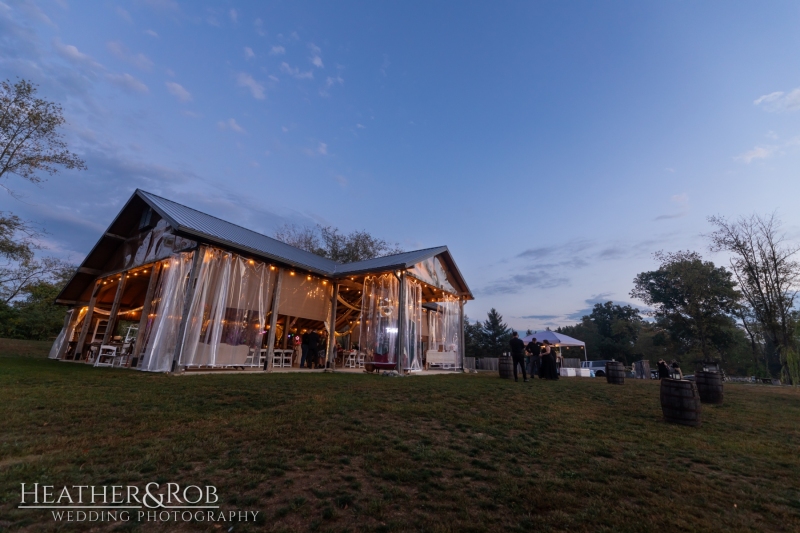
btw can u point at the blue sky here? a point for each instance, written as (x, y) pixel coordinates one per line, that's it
(553, 146)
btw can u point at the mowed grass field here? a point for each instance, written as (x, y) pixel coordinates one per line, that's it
(349, 452)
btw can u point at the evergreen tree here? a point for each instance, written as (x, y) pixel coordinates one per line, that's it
(495, 334)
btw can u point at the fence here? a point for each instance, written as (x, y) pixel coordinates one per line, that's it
(486, 363)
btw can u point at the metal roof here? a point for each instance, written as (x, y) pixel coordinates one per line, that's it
(207, 228)
(212, 229)
(390, 262)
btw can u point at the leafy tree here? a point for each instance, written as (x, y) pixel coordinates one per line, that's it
(329, 242)
(495, 334)
(765, 267)
(610, 331)
(29, 139)
(693, 301)
(472, 338)
(34, 315)
(30, 145)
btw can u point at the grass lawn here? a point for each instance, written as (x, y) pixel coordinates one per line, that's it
(349, 452)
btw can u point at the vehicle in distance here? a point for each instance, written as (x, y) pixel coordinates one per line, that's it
(598, 367)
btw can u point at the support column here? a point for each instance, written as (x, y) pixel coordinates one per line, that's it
(461, 347)
(87, 321)
(69, 319)
(112, 316)
(138, 344)
(332, 327)
(187, 302)
(273, 321)
(401, 319)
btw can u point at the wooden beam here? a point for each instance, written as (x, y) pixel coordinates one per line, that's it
(332, 327)
(87, 320)
(112, 316)
(115, 236)
(138, 344)
(69, 320)
(273, 321)
(187, 303)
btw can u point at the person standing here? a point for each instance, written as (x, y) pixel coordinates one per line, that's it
(663, 369)
(518, 355)
(313, 348)
(534, 348)
(676, 369)
(304, 348)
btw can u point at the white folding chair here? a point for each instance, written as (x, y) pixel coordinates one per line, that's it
(350, 361)
(277, 358)
(106, 355)
(124, 355)
(287, 358)
(360, 359)
(262, 357)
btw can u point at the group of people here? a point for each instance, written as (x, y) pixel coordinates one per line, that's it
(665, 370)
(543, 359)
(312, 353)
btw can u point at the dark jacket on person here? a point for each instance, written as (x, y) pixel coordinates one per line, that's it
(534, 348)
(517, 346)
(313, 342)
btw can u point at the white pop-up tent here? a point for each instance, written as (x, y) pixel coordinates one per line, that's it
(556, 339)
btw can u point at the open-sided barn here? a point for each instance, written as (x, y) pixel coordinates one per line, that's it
(169, 288)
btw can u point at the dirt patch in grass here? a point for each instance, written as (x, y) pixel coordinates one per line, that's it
(345, 452)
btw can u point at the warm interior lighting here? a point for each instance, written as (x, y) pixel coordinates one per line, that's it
(291, 273)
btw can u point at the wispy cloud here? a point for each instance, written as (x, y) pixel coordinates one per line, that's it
(277, 50)
(128, 82)
(248, 53)
(682, 202)
(322, 149)
(258, 24)
(540, 317)
(177, 90)
(759, 152)
(779, 102)
(72, 54)
(234, 16)
(230, 124)
(121, 52)
(151, 33)
(246, 80)
(296, 73)
(123, 14)
(316, 55)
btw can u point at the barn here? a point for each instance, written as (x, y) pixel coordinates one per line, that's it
(168, 288)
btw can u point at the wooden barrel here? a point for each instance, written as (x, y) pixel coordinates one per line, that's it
(709, 385)
(615, 373)
(680, 402)
(506, 367)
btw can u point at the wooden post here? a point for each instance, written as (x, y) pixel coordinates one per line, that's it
(332, 328)
(69, 318)
(286, 325)
(87, 320)
(138, 344)
(273, 321)
(112, 316)
(187, 303)
(401, 319)
(461, 346)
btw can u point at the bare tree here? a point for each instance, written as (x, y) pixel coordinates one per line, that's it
(327, 241)
(767, 273)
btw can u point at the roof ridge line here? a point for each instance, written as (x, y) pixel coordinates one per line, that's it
(237, 225)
